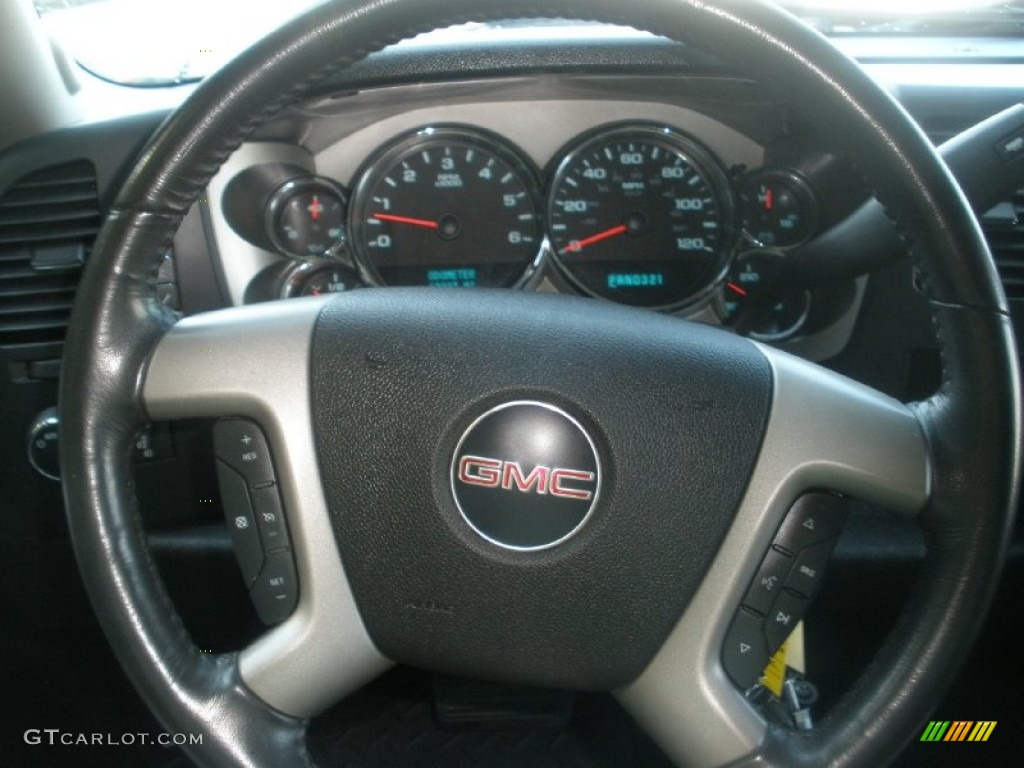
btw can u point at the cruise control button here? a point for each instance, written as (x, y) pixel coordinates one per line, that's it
(242, 446)
(813, 518)
(809, 569)
(241, 523)
(782, 617)
(768, 581)
(745, 652)
(266, 504)
(276, 590)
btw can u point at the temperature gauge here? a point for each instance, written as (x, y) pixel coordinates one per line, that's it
(773, 320)
(779, 209)
(305, 218)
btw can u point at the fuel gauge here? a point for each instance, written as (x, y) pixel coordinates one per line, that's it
(305, 217)
(317, 277)
(779, 208)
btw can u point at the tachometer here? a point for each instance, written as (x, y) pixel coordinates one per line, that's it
(641, 215)
(447, 206)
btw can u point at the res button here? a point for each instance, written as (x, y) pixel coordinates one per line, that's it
(241, 445)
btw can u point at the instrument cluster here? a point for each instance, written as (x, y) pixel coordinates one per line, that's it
(632, 212)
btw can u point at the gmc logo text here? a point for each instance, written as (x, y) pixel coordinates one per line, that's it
(495, 473)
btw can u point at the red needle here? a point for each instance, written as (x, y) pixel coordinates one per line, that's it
(405, 220)
(315, 208)
(579, 244)
(736, 289)
(769, 199)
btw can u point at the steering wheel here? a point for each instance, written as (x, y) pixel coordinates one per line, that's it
(677, 451)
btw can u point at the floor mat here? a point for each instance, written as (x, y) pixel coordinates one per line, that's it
(390, 724)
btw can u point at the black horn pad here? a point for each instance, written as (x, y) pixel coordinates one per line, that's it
(533, 494)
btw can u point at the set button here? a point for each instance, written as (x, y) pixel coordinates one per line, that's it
(276, 589)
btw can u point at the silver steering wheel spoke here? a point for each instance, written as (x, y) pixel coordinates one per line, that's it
(254, 362)
(825, 432)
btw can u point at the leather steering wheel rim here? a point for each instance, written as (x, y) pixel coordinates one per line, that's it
(971, 424)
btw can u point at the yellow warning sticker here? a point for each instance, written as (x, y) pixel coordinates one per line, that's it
(795, 649)
(790, 654)
(775, 672)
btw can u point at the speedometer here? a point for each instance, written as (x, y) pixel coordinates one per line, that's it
(447, 206)
(641, 215)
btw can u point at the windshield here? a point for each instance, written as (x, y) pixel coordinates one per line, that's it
(159, 42)
(966, 18)
(167, 42)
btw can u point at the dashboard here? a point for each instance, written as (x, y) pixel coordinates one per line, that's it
(644, 190)
(769, 185)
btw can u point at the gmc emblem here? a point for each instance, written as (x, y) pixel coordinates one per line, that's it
(509, 475)
(547, 481)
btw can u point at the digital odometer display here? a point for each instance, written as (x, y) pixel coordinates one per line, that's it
(641, 215)
(448, 207)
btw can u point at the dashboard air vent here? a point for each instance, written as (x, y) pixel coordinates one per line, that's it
(48, 222)
(1004, 229)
